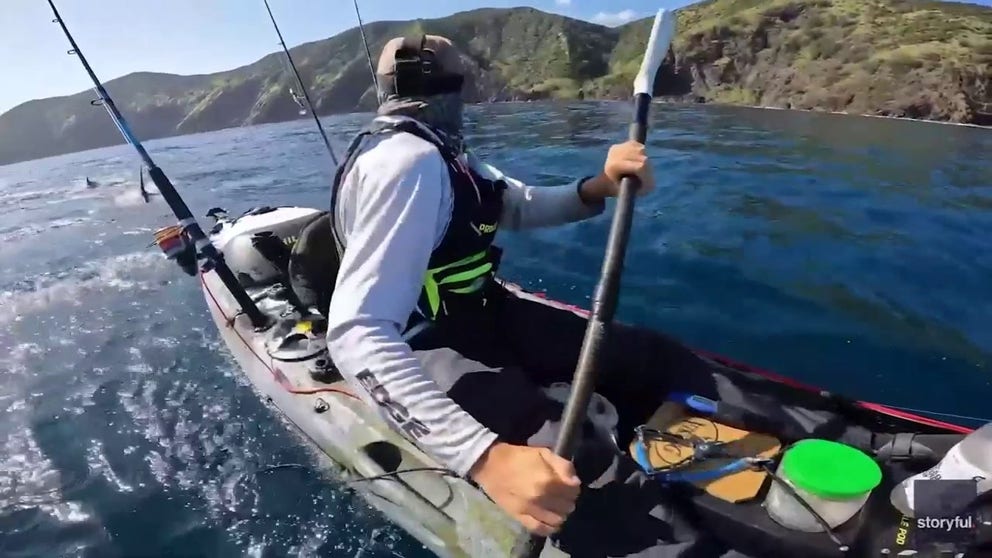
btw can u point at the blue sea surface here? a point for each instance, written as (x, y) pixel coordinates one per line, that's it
(850, 253)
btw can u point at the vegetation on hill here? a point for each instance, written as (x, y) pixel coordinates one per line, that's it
(913, 58)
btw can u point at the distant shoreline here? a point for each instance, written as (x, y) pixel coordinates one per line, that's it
(834, 112)
(889, 59)
(904, 118)
(678, 101)
(658, 100)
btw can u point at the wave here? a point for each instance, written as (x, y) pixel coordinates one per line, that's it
(72, 287)
(15, 233)
(28, 478)
(130, 198)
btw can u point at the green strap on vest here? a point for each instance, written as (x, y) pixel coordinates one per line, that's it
(465, 276)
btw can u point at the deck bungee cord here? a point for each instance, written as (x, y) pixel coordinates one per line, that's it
(703, 450)
(941, 414)
(700, 450)
(191, 231)
(304, 95)
(355, 478)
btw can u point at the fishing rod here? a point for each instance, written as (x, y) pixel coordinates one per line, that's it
(604, 301)
(187, 222)
(368, 51)
(303, 88)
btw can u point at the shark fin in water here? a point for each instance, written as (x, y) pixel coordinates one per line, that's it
(141, 183)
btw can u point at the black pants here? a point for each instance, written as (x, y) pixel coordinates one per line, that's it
(493, 366)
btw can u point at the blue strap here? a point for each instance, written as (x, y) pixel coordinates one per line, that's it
(678, 475)
(734, 466)
(697, 403)
(641, 457)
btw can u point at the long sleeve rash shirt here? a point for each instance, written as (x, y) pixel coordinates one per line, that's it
(392, 210)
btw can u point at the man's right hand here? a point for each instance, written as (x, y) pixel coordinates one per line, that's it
(533, 485)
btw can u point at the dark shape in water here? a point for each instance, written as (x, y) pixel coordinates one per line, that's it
(141, 184)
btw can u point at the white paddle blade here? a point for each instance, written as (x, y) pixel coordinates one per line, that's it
(662, 33)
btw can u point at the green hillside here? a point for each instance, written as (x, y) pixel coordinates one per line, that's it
(914, 58)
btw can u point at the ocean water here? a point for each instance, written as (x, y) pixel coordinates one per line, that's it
(847, 252)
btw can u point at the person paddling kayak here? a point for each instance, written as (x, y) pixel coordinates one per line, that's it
(419, 325)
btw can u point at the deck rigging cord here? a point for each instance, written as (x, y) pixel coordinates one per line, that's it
(703, 450)
(941, 414)
(358, 478)
(190, 227)
(303, 88)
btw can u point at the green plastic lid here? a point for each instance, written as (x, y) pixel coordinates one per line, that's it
(830, 470)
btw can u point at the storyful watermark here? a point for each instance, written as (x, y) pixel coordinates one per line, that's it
(947, 524)
(944, 515)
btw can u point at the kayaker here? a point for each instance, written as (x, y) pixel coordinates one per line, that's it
(420, 327)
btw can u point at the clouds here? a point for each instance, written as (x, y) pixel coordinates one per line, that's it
(613, 19)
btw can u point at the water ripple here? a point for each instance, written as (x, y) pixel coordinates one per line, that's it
(851, 253)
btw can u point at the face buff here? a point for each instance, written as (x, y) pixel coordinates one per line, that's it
(442, 112)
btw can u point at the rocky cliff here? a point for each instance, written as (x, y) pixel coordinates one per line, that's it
(908, 58)
(913, 58)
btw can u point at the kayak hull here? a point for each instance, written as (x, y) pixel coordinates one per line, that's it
(449, 515)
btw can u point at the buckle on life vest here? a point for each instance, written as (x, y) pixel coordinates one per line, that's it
(495, 257)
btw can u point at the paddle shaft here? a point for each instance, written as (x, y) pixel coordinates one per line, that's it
(604, 301)
(604, 305)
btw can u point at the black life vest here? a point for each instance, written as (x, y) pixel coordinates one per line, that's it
(463, 265)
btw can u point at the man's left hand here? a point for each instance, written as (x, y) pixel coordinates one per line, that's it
(628, 159)
(624, 159)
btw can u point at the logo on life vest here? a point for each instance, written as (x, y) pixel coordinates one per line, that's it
(412, 427)
(902, 533)
(484, 228)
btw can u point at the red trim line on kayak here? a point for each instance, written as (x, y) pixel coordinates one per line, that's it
(280, 378)
(875, 407)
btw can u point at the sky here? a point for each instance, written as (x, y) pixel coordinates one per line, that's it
(204, 36)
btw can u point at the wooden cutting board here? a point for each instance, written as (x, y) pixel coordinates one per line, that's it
(738, 487)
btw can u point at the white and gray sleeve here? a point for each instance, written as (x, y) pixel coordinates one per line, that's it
(391, 205)
(527, 207)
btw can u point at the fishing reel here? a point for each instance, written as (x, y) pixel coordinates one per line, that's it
(176, 244)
